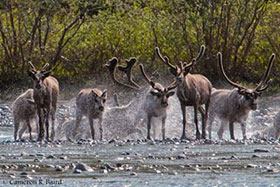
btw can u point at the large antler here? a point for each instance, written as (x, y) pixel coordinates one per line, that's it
(127, 69)
(112, 66)
(154, 85)
(165, 59)
(200, 54)
(33, 67)
(224, 74)
(171, 86)
(264, 83)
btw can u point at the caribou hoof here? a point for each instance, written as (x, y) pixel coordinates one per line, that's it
(184, 137)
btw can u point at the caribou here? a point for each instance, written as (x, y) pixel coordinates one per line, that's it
(233, 106)
(154, 102)
(192, 90)
(24, 111)
(46, 92)
(91, 103)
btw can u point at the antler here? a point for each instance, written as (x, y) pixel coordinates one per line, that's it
(46, 67)
(165, 59)
(194, 60)
(268, 83)
(224, 74)
(267, 72)
(112, 66)
(127, 69)
(171, 86)
(154, 85)
(33, 67)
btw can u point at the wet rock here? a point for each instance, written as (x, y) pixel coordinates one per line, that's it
(261, 151)
(77, 171)
(37, 160)
(133, 174)
(118, 165)
(40, 154)
(125, 153)
(50, 166)
(172, 158)
(63, 157)
(181, 156)
(158, 171)
(252, 166)
(112, 141)
(12, 176)
(23, 154)
(59, 168)
(272, 170)
(23, 173)
(50, 157)
(83, 167)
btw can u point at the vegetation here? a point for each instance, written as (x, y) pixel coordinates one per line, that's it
(78, 37)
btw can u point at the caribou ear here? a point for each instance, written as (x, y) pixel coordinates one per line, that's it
(30, 101)
(187, 70)
(169, 94)
(104, 94)
(154, 93)
(31, 74)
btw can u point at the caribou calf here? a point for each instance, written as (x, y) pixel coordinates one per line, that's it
(46, 91)
(234, 105)
(24, 111)
(91, 103)
(156, 102)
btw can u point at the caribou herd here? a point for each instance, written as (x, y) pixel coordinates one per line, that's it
(230, 106)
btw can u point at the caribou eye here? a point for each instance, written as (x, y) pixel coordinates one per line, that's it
(247, 97)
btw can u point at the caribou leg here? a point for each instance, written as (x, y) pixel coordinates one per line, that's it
(183, 108)
(163, 127)
(202, 112)
(231, 130)
(91, 127)
(30, 129)
(243, 129)
(222, 128)
(149, 127)
(196, 123)
(41, 125)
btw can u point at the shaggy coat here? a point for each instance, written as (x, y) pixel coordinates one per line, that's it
(91, 103)
(24, 111)
(230, 107)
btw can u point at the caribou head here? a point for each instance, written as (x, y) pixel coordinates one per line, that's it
(162, 94)
(180, 71)
(250, 95)
(38, 76)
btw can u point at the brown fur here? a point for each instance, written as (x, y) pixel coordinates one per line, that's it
(234, 105)
(46, 93)
(230, 107)
(91, 103)
(24, 111)
(193, 90)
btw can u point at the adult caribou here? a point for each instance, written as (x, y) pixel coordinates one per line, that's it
(46, 92)
(192, 90)
(234, 105)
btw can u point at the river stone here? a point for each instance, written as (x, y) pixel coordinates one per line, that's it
(77, 171)
(261, 151)
(83, 167)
